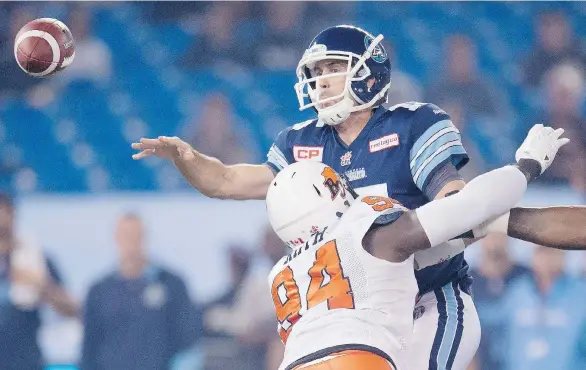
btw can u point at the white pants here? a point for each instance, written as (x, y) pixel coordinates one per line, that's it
(446, 330)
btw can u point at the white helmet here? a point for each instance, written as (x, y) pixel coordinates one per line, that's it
(304, 199)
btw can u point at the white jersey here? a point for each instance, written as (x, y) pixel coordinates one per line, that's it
(426, 257)
(333, 295)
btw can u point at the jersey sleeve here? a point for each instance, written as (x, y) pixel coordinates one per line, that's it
(280, 154)
(388, 218)
(435, 142)
(389, 215)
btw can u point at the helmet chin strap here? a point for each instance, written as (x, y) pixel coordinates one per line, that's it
(337, 113)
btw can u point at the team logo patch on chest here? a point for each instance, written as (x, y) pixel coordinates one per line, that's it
(345, 159)
(384, 142)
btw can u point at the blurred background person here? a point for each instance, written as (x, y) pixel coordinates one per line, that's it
(580, 346)
(221, 347)
(564, 94)
(28, 280)
(93, 57)
(492, 279)
(249, 317)
(404, 87)
(11, 78)
(140, 316)
(217, 132)
(478, 108)
(284, 35)
(222, 39)
(545, 311)
(556, 43)
(462, 81)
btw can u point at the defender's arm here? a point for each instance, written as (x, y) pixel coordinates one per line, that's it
(561, 227)
(483, 198)
(555, 227)
(443, 219)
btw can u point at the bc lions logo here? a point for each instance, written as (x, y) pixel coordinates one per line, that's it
(332, 182)
(379, 54)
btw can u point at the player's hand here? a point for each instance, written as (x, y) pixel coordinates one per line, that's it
(172, 148)
(542, 144)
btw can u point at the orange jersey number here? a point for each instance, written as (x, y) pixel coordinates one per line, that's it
(328, 281)
(327, 284)
(380, 203)
(288, 311)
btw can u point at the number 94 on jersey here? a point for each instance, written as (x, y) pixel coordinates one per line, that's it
(318, 284)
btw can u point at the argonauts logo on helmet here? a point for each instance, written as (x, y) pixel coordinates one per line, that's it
(379, 54)
(316, 48)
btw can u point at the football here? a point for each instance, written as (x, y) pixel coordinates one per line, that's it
(44, 47)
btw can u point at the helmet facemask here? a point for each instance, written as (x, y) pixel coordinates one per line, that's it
(356, 71)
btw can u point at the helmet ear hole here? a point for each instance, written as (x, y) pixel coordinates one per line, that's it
(317, 190)
(370, 83)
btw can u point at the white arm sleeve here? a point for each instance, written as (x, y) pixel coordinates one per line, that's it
(487, 196)
(499, 225)
(439, 254)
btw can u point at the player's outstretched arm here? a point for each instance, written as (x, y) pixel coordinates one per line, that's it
(561, 227)
(207, 174)
(441, 220)
(485, 197)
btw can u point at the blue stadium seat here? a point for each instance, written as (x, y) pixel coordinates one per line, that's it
(149, 85)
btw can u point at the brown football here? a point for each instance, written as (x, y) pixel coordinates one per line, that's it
(44, 47)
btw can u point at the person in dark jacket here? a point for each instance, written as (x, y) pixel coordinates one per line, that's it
(140, 316)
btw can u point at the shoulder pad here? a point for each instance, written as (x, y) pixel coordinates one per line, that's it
(303, 124)
(278, 267)
(362, 215)
(410, 105)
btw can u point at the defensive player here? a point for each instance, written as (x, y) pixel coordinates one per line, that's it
(344, 297)
(410, 152)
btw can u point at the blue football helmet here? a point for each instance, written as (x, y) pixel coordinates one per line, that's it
(366, 59)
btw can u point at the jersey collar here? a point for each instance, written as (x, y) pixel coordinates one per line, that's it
(378, 112)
